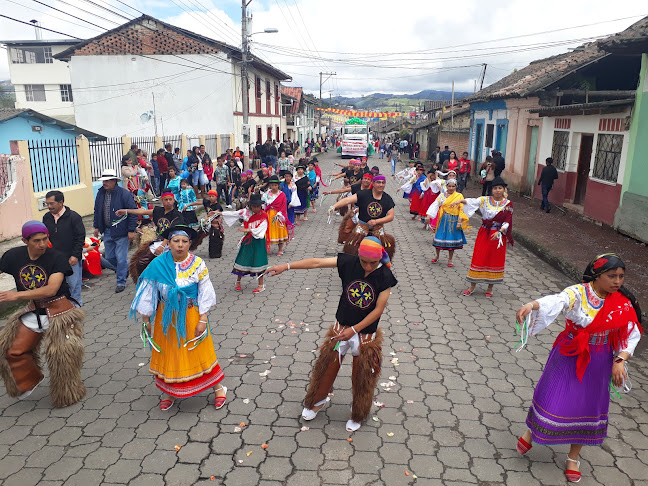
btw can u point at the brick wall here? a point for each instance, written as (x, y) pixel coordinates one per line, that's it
(148, 39)
(457, 140)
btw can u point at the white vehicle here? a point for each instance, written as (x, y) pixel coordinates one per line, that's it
(355, 139)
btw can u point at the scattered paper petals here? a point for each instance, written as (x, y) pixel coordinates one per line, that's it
(242, 424)
(304, 429)
(406, 472)
(244, 333)
(306, 329)
(141, 364)
(248, 453)
(375, 419)
(212, 478)
(349, 439)
(240, 461)
(246, 400)
(277, 320)
(178, 447)
(410, 401)
(264, 446)
(237, 430)
(392, 353)
(393, 378)
(390, 434)
(265, 373)
(242, 355)
(379, 404)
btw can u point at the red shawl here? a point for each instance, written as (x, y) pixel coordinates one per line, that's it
(318, 173)
(616, 314)
(257, 218)
(280, 204)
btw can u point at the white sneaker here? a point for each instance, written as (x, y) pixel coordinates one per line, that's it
(308, 414)
(352, 426)
(29, 392)
(229, 206)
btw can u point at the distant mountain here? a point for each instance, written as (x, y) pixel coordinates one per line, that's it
(394, 102)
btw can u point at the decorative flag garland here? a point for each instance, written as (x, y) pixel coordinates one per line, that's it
(366, 114)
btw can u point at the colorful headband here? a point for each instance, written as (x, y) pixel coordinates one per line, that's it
(370, 247)
(244, 174)
(167, 194)
(368, 175)
(355, 162)
(211, 192)
(249, 171)
(33, 227)
(379, 177)
(179, 233)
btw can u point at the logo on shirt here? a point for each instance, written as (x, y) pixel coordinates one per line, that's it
(163, 224)
(360, 294)
(374, 209)
(32, 277)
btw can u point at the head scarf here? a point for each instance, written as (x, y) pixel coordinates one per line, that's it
(211, 192)
(370, 247)
(167, 194)
(355, 162)
(32, 227)
(604, 263)
(368, 175)
(451, 181)
(379, 177)
(179, 232)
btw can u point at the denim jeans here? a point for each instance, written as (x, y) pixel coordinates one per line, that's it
(117, 255)
(545, 198)
(74, 281)
(461, 182)
(197, 177)
(393, 165)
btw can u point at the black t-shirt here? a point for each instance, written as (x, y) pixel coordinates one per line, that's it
(163, 221)
(371, 208)
(246, 187)
(33, 274)
(355, 188)
(209, 206)
(353, 177)
(360, 293)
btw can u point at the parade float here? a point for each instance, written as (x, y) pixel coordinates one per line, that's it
(355, 139)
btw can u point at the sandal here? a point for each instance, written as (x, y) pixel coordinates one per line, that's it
(352, 426)
(488, 294)
(280, 253)
(219, 402)
(468, 292)
(308, 414)
(166, 404)
(434, 260)
(238, 287)
(450, 264)
(572, 475)
(297, 223)
(259, 289)
(523, 446)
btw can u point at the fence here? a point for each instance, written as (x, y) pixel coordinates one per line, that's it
(175, 141)
(54, 164)
(105, 154)
(147, 144)
(211, 146)
(225, 143)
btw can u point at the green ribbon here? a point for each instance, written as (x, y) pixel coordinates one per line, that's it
(613, 391)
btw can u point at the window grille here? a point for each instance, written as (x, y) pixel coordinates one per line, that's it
(560, 148)
(35, 92)
(66, 92)
(608, 157)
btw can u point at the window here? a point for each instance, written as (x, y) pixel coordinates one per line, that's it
(560, 148)
(66, 92)
(35, 92)
(257, 88)
(489, 135)
(31, 55)
(268, 96)
(608, 157)
(277, 99)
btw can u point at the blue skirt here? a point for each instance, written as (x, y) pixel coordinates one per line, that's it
(447, 236)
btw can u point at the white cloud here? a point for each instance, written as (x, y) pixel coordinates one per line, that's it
(353, 37)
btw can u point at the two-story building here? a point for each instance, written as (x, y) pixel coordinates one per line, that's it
(42, 82)
(300, 115)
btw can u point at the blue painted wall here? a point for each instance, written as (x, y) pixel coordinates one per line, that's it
(20, 128)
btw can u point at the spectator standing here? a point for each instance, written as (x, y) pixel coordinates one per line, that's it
(487, 173)
(67, 236)
(156, 175)
(177, 160)
(132, 153)
(221, 179)
(436, 156)
(464, 172)
(117, 231)
(170, 162)
(443, 156)
(500, 163)
(163, 166)
(547, 177)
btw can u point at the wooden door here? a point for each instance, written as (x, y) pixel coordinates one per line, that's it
(584, 160)
(533, 159)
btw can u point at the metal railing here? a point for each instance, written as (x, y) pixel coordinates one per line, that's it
(105, 154)
(211, 146)
(54, 164)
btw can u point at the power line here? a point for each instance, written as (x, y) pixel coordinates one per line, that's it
(43, 28)
(54, 16)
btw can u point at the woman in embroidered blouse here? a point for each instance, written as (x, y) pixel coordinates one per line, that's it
(489, 255)
(176, 291)
(571, 400)
(276, 205)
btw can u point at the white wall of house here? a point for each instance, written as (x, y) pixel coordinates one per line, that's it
(50, 75)
(187, 100)
(582, 125)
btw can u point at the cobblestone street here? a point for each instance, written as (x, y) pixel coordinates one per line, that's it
(454, 393)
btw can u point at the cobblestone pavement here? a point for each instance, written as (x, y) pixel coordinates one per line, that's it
(452, 415)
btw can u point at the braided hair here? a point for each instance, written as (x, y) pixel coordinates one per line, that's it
(604, 263)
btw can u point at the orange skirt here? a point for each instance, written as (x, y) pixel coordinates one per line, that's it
(277, 231)
(178, 371)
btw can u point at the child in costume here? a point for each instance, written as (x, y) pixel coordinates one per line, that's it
(186, 203)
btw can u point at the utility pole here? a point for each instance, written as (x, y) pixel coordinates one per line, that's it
(244, 83)
(452, 108)
(154, 115)
(319, 119)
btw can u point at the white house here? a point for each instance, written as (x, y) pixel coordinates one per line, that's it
(42, 82)
(159, 79)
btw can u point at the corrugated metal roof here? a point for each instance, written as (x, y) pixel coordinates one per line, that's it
(584, 106)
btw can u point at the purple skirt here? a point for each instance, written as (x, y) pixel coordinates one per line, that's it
(568, 411)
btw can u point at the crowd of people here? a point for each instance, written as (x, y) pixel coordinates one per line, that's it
(174, 293)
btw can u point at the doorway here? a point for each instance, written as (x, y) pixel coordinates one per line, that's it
(533, 159)
(584, 161)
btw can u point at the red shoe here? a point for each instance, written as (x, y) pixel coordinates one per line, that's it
(219, 402)
(488, 294)
(571, 475)
(166, 404)
(238, 287)
(434, 260)
(523, 446)
(450, 265)
(467, 292)
(259, 289)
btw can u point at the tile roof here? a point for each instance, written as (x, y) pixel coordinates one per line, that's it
(544, 72)
(293, 92)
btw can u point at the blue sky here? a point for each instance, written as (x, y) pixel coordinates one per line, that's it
(372, 45)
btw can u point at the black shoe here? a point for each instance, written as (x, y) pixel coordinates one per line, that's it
(119, 288)
(548, 210)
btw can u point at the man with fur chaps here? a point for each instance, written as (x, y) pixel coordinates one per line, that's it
(366, 283)
(49, 315)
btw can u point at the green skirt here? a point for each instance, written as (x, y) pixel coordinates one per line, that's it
(252, 258)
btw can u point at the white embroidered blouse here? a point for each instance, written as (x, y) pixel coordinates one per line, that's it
(578, 303)
(488, 207)
(191, 270)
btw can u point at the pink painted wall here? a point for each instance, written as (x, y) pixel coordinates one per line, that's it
(563, 188)
(15, 210)
(602, 201)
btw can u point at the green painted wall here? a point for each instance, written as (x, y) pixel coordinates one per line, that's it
(635, 178)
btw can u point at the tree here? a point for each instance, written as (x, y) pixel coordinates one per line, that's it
(7, 95)
(404, 134)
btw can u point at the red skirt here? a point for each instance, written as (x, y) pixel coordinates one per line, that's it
(193, 387)
(488, 261)
(415, 201)
(428, 198)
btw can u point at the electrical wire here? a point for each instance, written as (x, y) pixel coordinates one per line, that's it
(54, 16)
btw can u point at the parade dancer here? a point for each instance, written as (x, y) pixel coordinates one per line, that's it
(350, 216)
(489, 255)
(375, 209)
(289, 188)
(39, 273)
(366, 282)
(252, 257)
(431, 187)
(175, 290)
(163, 218)
(416, 192)
(603, 326)
(451, 222)
(280, 229)
(213, 225)
(303, 188)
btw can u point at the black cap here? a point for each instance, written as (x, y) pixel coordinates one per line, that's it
(274, 179)
(498, 181)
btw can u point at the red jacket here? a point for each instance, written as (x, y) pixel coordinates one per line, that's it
(162, 163)
(464, 166)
